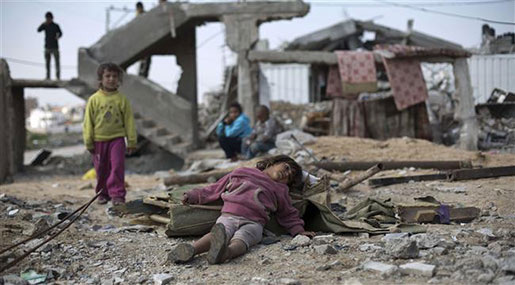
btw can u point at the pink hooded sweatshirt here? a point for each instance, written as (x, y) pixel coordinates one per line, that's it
(250, 193)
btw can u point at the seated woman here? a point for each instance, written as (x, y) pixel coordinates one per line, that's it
(249, 196)
(232, 130)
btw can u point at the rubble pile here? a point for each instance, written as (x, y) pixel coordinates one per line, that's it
(312, 117)
(495, 132)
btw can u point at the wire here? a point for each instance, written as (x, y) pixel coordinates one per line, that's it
(38, 64)
(413, 3)
(446, 13)
(209, 39)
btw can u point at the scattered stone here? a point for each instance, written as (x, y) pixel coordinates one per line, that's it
(425, 241)
(380, 267)
(288, 281)
(289, 247)
(323, 239)
(418, 268)
(325, 249)
(440, 250)
(13, 213)
(487, 233)
(469, 263)
(364, 235)
(162, 278)
(403, 248)
(478, 250)
(394, 236)
(369, 247)
(300, 240)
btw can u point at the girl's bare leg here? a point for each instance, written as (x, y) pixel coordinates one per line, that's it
(202, 245)
(236, 248)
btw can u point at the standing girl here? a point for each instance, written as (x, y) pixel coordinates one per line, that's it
(108, 120)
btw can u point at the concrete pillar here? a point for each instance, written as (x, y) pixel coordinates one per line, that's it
(20, 133)
(187, 86)
(465, 111)
(242, 32)
(6, 150)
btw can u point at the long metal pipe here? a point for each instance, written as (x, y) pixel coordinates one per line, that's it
(388, 165)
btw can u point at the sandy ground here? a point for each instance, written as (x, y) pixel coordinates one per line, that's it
(117, 255)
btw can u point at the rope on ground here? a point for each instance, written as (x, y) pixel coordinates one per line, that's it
(82, 209)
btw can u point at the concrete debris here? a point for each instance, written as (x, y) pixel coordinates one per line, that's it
(13, 213)
(403, 248)
(418, 268)
(369, 247)
(325, 249)
(162, 278)
(425, 241)
(486, 232)
(379, 267)
(300, 240)
(323, 239)
(496, 126)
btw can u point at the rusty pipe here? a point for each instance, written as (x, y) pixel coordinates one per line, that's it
(388, 165)
(348, 183)
(488, 172)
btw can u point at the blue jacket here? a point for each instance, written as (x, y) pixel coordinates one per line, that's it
(240, 128)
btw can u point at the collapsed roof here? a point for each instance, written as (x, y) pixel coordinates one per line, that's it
(346, 35)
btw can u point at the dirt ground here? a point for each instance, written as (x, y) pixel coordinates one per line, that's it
(105, 249)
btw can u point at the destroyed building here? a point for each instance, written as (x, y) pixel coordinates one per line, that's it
(374, 114)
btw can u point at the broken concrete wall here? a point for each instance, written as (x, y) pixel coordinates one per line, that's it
(7, 168)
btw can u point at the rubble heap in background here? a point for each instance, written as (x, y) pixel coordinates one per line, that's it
(495, 132)
(312, 117)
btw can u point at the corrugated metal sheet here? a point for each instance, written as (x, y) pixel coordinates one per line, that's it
(491, 71)
(286, 82)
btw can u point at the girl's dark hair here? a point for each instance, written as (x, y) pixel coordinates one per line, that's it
(237, 106)
(296, 177)
(109, 66)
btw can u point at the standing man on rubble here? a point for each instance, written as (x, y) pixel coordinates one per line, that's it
(262, 138)
(144, 64)
(232, 130)
(52, 34)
